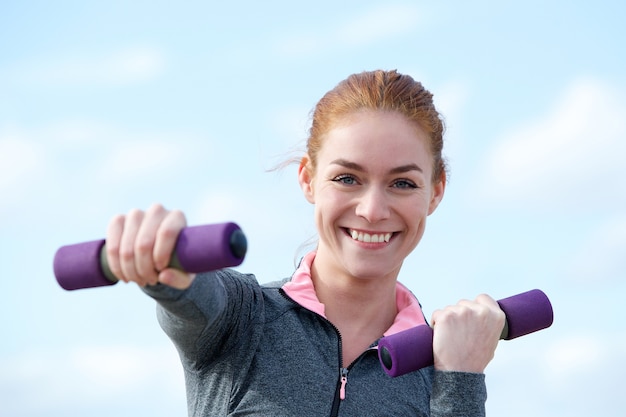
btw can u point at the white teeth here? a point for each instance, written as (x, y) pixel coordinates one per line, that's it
(368, 238)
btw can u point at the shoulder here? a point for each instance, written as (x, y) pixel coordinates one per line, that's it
(234, 279)
(275, 285)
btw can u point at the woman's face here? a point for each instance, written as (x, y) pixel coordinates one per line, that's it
(372, 191)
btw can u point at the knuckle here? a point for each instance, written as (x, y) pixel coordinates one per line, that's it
(178, 216)
(117, 221)
(135, 214)
(143, 246)
(484, 298)
(112, 249)
(168, 233)
(127, 254)
(156, 209)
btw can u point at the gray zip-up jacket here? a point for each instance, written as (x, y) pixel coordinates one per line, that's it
(262, 350)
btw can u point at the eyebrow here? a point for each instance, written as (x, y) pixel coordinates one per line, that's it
(397, 170)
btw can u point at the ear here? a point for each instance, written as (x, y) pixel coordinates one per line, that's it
(438, 189)
(305, 178)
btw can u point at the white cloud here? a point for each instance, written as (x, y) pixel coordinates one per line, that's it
(375, 24)
(382, 22)
(125, 66)
(91, 376)
(300, 44)
(555, 372)
(139, 159)
(291, 124)
(221, 205)
(583, 365)
(71, 133)
(261, 209)
(274, 215)
(132, 156)
(569, 159)
(120, 368)
(568, 356)
(450, 100)
(119, 152)
(290, 127)
(20, 160)
(72, 161)
(602, 257)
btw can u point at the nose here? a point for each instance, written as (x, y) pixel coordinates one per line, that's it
(373, 205)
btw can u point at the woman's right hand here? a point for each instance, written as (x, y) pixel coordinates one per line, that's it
(466, 334)
(139, 246)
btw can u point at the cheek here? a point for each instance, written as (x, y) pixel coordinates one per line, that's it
(325, 210)
(416, 217)
(415, 208)
(327, 198)
(329, 208)
(420, 218)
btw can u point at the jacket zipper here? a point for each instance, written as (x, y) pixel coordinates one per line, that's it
(340, 392)
(343, 377)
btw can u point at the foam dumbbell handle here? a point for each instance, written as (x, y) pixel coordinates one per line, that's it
(412, 349)
(198, 249)
(526, 313)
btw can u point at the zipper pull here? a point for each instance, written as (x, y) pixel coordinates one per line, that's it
(344, 381)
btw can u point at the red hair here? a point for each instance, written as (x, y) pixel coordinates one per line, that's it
(379, 90)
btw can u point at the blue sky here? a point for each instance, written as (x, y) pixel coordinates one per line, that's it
(108, 106)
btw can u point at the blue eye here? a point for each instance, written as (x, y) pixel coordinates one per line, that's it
(345, 179)
(404, 184)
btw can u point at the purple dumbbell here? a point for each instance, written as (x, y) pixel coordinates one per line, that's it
(412, 349)
(198, 249)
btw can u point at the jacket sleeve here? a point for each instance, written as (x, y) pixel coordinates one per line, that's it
(210, 317)
(458, 394)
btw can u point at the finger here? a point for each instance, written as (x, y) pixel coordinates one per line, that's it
(167, 236)
(483, 309)
(485, 313)
(127, 245)
(483, 306)
(435, 317)
(176, 279)
(145, 242)
(451, 312)
(488, 301)
(466, 303)
(495, 314)
(113, 238)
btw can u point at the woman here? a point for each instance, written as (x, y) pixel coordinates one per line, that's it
(306, 346)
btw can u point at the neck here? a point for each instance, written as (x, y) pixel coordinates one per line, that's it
(353, 304)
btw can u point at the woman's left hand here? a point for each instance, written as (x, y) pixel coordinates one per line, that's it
(465, 335)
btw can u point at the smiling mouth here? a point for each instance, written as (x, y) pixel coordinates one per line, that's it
(369, 237)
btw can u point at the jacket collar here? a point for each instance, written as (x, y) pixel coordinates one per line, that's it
(300, 289)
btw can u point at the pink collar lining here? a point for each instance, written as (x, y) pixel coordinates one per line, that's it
(300, 288)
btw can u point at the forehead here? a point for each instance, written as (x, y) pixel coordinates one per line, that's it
(377, 139)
